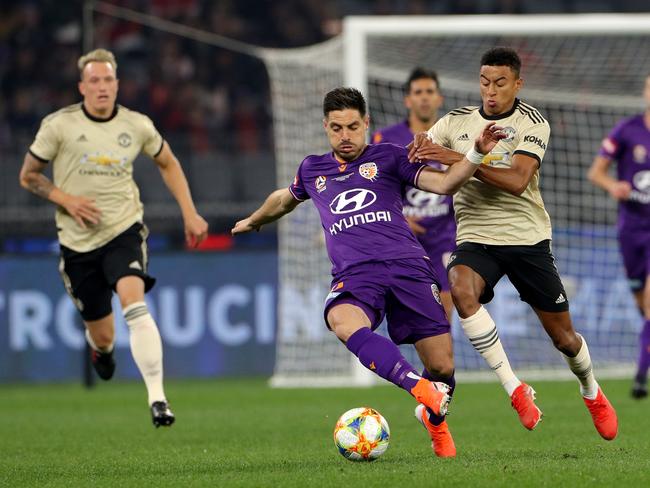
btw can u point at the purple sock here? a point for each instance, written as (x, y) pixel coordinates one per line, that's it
(451, 381)
(382, 357)
(644, 353)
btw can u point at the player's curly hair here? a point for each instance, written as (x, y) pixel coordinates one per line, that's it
(502, 56)
(98, 55)
(342, 98)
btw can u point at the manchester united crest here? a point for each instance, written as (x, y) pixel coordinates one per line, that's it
(510, 133)
(124, 139)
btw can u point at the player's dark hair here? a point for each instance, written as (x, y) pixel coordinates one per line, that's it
(342, 98)
(502, 56)
(420, 73)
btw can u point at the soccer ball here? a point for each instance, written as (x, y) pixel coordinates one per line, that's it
(361, 434)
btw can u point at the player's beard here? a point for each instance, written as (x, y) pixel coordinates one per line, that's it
(425, 116)
(351, 155)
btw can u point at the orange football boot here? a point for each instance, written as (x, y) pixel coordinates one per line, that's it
(603, 415)
(441, 441)
(523, 401)
(432, 394)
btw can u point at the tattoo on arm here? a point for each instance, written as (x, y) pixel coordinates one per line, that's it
(33, 179)
(40, 185)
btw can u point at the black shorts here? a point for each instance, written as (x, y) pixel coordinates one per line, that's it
(531, 270)
(90, 277)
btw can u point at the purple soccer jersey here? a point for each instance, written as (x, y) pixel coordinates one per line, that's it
(399, 134)
(360, 204)
(435, 212)
(629, 145)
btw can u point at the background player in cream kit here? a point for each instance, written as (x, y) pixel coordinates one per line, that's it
(504, 229)
(99, 216)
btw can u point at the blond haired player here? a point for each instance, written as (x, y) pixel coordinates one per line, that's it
(91, 146)
(503, 229)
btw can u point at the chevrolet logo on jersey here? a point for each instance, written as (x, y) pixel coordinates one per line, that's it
(103, 159)
(497, 159)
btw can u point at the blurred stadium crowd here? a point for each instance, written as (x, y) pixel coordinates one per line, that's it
(212, 105)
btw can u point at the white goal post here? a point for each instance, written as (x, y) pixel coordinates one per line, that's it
(357, 29)
(583, 73)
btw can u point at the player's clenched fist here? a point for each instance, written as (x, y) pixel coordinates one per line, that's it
(244, 226)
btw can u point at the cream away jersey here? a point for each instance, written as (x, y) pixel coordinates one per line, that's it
(94, 158)
(485, 214)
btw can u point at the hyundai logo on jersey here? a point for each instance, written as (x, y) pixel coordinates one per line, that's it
(352, 201)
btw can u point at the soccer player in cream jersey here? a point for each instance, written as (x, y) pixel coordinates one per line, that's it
(629, 145)
(378, 266)
(91, 146)
(503, 229)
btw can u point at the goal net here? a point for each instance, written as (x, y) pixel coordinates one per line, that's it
(583, 73)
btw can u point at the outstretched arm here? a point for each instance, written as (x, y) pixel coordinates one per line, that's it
(277, 204)
(514, 179)
(81, 209)
(196, 228)
(449, 182)
(424, 149)
(599, 176)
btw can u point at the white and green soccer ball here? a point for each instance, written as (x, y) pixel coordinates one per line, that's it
(361, 434)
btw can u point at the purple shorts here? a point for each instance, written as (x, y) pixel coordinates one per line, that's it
(635, 249)
(439, 251)
(406, 291)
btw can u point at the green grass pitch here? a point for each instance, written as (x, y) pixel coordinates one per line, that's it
(242, 433)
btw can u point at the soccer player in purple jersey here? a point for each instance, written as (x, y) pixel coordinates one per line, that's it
(629, 145)
(378, 266)
(430, 216)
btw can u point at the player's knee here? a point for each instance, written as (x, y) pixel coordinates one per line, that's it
(440, 366)
(345, 319)
(127, 299)
(442, 369)
(341, 328)
(130, 289)
(344, 331)
(102, 338)
(567, 343)
(465, 299)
